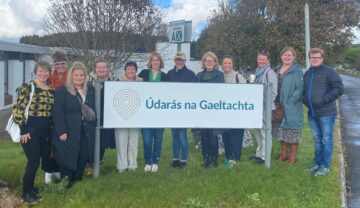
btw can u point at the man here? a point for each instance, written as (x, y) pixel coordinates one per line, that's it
(322, 86)
(180, 73)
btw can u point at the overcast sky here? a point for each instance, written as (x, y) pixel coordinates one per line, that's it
(23, 17)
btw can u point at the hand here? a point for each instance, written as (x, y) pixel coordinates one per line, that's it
(24, 138)
(63, 137)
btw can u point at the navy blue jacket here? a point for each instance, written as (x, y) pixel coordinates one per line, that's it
(218, 77)
(182, 75)
(322, 86)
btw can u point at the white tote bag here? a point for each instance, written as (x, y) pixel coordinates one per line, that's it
(12, 128)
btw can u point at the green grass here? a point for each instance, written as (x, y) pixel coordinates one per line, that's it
(246, 185)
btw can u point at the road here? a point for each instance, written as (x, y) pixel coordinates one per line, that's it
(349, 107)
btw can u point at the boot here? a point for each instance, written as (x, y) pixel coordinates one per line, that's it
(284, 151)
(293, 152)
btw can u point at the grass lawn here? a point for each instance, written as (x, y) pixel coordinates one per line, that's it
(246, 185)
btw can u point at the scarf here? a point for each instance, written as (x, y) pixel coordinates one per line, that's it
(261, 74)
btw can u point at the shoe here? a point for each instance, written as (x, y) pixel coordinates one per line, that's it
(121, 171)
(228, 165)
(154, 168)
(322, 171)
(48, 178)
(175, 164)
(89, 170)
(182, 164)
(253, 157)
(259, 161)
(57, 175)
(313, 169)
(30, 198)
(147, 168)
(34, 191)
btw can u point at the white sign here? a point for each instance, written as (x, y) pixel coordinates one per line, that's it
(182, 105)
(177, 34)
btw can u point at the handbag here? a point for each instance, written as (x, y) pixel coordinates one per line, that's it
(13, 128)
(87, 112)
(278, 113)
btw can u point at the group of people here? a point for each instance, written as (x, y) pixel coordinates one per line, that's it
(58, 133)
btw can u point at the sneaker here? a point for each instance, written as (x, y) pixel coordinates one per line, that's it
(175, 164)
(253, 157)
(322, 171)
(259, 161)
(182, 164)
(57, 175)
(147, 168)
(48, 178)
(313, 168)
(154, 168)
(228, 164)
(30, 198)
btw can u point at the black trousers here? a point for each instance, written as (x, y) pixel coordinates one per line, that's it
(36, 148)
(82, 160)
(209, 144)
(233, 139)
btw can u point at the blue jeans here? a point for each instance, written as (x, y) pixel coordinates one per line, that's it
(152, 139)
(322, 128)
(179, 141)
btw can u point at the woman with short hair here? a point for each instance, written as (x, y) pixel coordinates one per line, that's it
(127, 138)
(74, 137)
(35, 131)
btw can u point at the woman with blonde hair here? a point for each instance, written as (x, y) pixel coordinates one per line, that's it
(74, 136)
(209, 140)
(152, 137)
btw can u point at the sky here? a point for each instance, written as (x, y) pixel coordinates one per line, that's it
(23, 17)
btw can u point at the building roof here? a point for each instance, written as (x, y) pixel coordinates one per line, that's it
(23, 48)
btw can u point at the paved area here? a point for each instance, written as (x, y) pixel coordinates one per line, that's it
(350, 132)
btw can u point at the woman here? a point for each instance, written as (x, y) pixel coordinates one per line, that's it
(74, 137)
(35, 131)
(58, 76)
(102, 73)
(263, 75)
(127, 139)
(57, 79)
(209, 140)
(232, 138)
(290, 89)
(152, 137)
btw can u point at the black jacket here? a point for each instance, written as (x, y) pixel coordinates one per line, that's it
(322, 86)
(67, 118)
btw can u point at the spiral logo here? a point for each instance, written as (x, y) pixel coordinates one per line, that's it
(126, 102)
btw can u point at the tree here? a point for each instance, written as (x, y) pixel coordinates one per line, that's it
(247, 26)
(110, 28)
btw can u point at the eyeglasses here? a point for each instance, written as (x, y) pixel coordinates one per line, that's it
(60, 63)
(316, 57)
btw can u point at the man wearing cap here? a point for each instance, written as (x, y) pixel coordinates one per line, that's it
(180, 73)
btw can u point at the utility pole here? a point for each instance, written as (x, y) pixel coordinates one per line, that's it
(307, 35)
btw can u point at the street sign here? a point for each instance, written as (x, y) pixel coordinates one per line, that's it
(180, 31)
